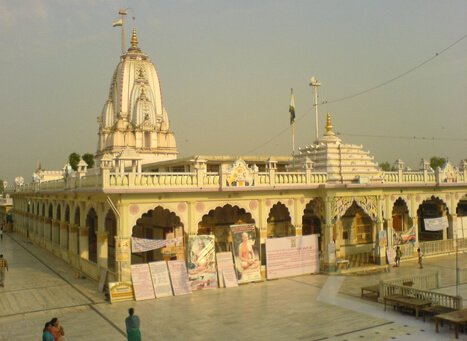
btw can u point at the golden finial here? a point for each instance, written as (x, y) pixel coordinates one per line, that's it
(134, 40)
(328, 123)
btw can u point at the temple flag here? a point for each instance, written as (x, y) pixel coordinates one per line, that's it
(292, 108)
(118, 22)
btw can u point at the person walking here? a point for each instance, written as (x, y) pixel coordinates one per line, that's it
(398, 256)
(132, 326)
(3, 266)
(420, 258)
(1, 232)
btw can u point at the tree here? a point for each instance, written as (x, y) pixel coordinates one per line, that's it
(436, 161)
(73, 160)
(386, 166)
(89, 159)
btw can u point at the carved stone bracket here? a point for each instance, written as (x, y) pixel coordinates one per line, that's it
(368, 204)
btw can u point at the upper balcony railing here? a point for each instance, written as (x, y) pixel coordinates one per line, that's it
(113, 179)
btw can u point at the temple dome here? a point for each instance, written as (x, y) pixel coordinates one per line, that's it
(135, 105)
(343, 163)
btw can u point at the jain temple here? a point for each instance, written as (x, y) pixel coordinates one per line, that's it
(140, 188)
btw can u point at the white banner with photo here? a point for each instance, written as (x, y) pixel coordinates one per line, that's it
(201, 260)
(436, 224)
(143, 245)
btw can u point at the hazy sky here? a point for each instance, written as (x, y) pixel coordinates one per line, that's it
(226, 69)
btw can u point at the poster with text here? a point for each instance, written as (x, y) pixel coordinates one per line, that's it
(179, 277)
(160, 279)
(142, 282)
(391, 256)
(245, 244)
(226, 269)
(201, 258)
(292, 256)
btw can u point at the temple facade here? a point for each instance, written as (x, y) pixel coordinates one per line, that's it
(139, 188)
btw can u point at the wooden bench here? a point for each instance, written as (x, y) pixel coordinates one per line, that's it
(371, 291)
(435, 310)
(343, 261)
(457, 318)
(400, 301)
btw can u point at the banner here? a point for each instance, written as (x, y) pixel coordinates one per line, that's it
(142, 282)
(292, 256)
(179, 277)
(436, 224)
(246, 250)
(225, 270)
(142, 245)
(408, 236)
(160, 279)
(201, 259)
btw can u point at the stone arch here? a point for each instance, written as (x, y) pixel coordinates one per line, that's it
(354, 227)
(218, 221)
(111, 229)
(402, 222)
(158, 223)
(279, 222)
(58, 212)
(461, 211)
(313, 219)
(91, 225)
(67, 213)
(432, 207)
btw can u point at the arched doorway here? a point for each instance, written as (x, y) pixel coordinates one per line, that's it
(312, 218)
(91, 224)
(279, 222)
(155, 224)
(218, 221)
(401, 222)
(430, 208)
(111, 229)
(77, 222)
(461, 211)
(355, 236)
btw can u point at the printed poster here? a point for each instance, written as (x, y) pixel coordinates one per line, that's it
(160, 279)
(142, 282)
(179, 277)
(391, 256)
(226, 270)
(201, 258)
(292, 256)
(245, 244)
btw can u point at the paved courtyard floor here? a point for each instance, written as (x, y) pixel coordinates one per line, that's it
(40, 286)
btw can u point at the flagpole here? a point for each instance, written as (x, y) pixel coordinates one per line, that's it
(292, 124)
(314, 83)
(122, 13)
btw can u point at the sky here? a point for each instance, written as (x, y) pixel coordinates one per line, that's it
(226, 69)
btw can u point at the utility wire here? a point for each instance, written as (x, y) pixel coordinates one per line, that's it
(424, 138)
(398, 76)
(368, 90)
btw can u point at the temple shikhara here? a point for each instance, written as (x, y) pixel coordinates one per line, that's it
(141, 191)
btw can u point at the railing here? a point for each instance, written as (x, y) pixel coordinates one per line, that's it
(388, 289)
(425, 281)
(409, 177)
(434, 247)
